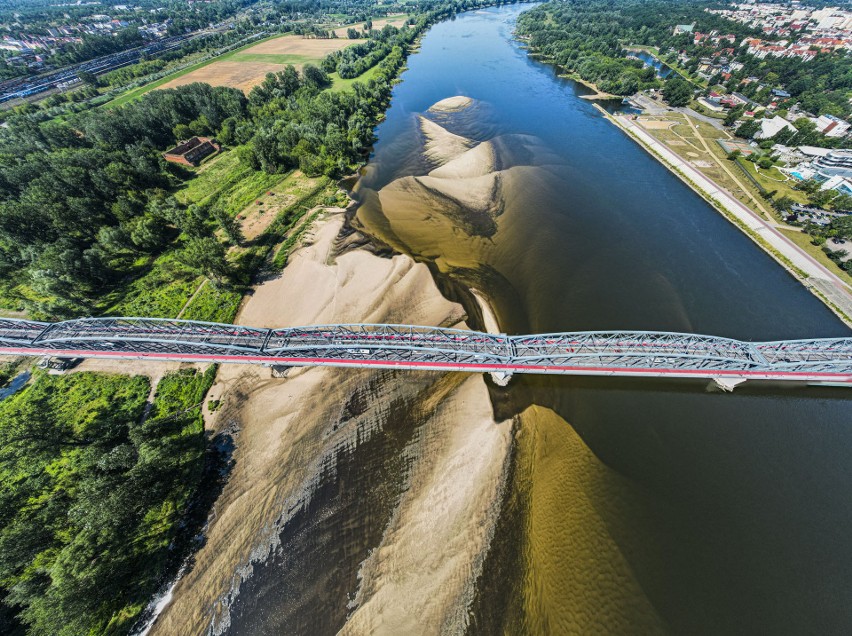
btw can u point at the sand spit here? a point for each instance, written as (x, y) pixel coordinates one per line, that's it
(451, 104)
(577, 579)
(289, 430)
(440, 144)
(421, 579)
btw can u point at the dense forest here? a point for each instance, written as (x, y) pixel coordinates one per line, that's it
(91, 496)
(81, 201)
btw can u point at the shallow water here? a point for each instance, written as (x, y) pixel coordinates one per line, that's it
(14, 385)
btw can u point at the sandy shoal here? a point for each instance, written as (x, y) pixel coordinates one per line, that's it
(440, 144)
(451, 104)
(286, 426)
(577, 579)
(421, 579)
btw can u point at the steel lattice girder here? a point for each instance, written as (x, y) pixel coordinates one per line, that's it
(618, 350)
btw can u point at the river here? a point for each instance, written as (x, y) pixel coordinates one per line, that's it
(633, 505)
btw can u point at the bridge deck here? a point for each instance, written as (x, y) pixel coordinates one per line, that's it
(638, 353)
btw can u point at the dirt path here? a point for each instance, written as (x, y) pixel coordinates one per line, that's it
(191, 298)
(727, 171)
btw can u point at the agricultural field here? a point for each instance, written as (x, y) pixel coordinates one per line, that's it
(246, 68)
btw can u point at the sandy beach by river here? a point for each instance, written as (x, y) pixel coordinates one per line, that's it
(286, 430)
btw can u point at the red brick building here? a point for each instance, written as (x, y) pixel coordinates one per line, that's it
(191, 152)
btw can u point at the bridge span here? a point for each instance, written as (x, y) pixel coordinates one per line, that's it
(622, 353)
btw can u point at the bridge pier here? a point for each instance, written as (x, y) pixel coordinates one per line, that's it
(728, 384)
(501, 378)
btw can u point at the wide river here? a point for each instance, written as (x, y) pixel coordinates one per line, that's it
(732, 511)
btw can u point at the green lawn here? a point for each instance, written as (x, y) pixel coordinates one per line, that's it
(804, 241)
(772, 179)
(340, 84)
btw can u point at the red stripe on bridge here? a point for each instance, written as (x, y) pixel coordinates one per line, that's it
(843, 378)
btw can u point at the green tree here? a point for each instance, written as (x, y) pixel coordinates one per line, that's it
(88, 78)
(677, 92)
(206, 256)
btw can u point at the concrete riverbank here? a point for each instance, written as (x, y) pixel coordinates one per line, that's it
(823, 283)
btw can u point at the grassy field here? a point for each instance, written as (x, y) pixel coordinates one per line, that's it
(159, 293)
(213, 304)
(772, 179)
(236, 185)
(340, 84)
(804, 241)
(274, 58)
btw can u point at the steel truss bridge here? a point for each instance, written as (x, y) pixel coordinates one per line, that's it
(623, 353)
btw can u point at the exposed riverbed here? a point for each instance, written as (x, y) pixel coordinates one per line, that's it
(405, 503)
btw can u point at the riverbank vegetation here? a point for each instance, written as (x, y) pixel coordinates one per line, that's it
(590, 38)
(93, 494)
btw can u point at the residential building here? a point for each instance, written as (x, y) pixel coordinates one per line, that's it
(834, 163)
(831, 126)
(771, 127)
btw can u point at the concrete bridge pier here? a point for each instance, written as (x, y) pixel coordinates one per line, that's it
(728, 384)
(501, 378)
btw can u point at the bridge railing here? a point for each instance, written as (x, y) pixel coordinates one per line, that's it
(349, 343)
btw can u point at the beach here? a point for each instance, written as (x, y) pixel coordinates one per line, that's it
(287, 430)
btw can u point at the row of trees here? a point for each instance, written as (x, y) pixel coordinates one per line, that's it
(357, 59)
